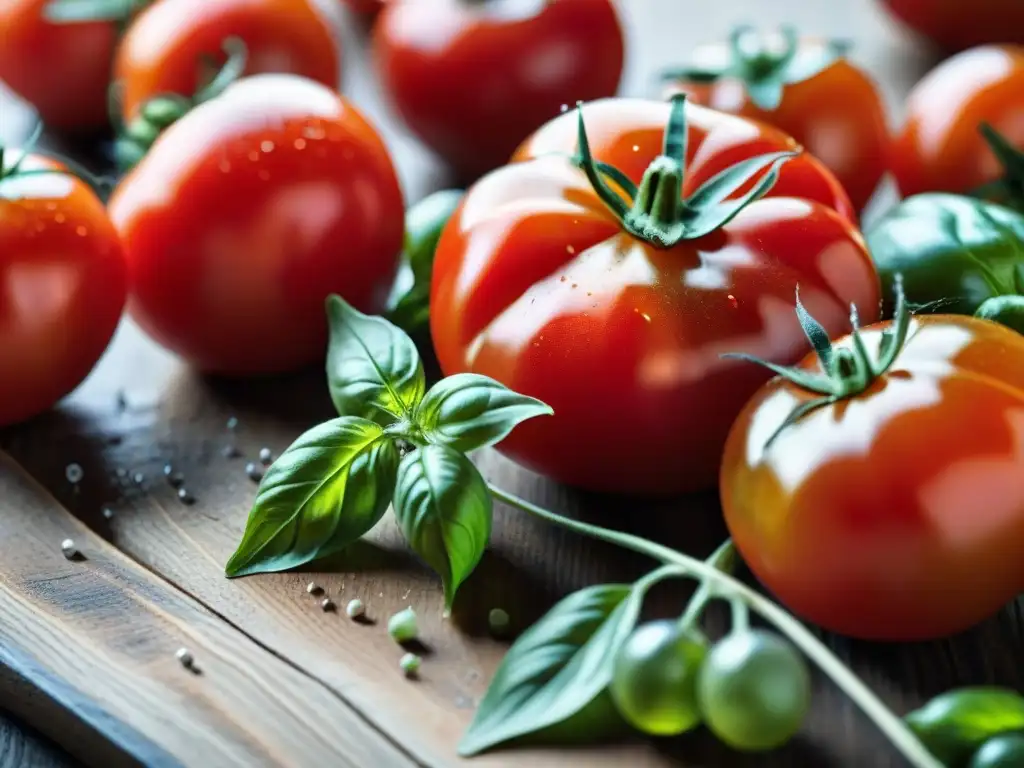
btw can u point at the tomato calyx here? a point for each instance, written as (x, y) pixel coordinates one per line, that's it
(16, 170)
(656, 211)
(845, 372)
(86, 11)
(160, 112)
(765, 63)
(1011, 186)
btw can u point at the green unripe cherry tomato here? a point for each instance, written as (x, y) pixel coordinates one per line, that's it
(654, 680)
(1005, 751)
(954, 252)
(754, 690)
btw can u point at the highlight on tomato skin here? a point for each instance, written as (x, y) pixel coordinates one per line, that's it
(896, 514)
(164, 48)
(940, 147)
(805, 86)
(308, 204)
(63, 284)
(538, 285)
(62, 70)
(471, 80)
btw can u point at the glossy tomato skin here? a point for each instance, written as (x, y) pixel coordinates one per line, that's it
(247, 213)
(163, 49)
(65, 284)
(837, 115)
(536, 285)
(939, 147)
(472, 80)
(898, 514)
(63, 70)
(954, 25)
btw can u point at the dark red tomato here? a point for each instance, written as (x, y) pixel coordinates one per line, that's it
(63, 70)
(955, 24)
(472, 80)
(940, 148)
(538, 285)
(247, 213)
(897, 514)
(810, 91)
(63, 285)
(163, 49)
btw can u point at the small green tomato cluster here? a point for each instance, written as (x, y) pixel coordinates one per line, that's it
(752, 689)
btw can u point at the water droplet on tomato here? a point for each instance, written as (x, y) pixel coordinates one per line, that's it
(267, 146)
(564, 108)
(254, 156)
(636, 147)
(645, 316)
(313, 132)
(224, 166)
(570, 249)
(51, 206)
(60, 218)
(81, 231)
(733, 301)
(300, 144)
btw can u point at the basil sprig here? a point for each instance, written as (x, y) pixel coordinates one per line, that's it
(336, 481)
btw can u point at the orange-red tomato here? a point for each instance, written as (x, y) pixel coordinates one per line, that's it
(897, 514)
(62, 286)
(836, 113)
(537, 285)
(63, 70)
(957, 24)
(164, 48)
(247, 213)
(473, 80)
(939, 148)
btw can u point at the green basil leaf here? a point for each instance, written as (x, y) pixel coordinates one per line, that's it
(952, 726)
(409, 302)
(373, 368)
(468, 411)
(558, 667)
(444, 508)
(954, 252)
(1005, 310)
(330, 487)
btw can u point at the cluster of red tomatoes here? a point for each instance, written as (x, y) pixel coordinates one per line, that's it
(604, 263)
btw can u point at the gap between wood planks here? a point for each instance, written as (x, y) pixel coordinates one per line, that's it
(107, 651)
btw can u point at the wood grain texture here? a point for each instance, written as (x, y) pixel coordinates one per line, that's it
(174, 416)
(96, 637)
(24, 748)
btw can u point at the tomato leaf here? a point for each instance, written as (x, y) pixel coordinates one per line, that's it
(952, 726)
(330, 487)
(558, 667)
(468, 411)
(444, 508)
(373, 368)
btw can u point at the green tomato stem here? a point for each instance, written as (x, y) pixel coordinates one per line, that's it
(726, 586)
(740, 616)
(724, 559)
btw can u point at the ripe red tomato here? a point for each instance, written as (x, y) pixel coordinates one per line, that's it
(538, 285)
(247, 213)
(472, 80)
(63, 281)
(163, 49)
(63, 70)
(805, 87)
(955, 24)
(940, 148)
(896, 514)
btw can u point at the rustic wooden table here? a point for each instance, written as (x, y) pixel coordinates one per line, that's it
(87, 648)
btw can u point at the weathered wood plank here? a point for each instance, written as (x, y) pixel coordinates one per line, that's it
(96, 638)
